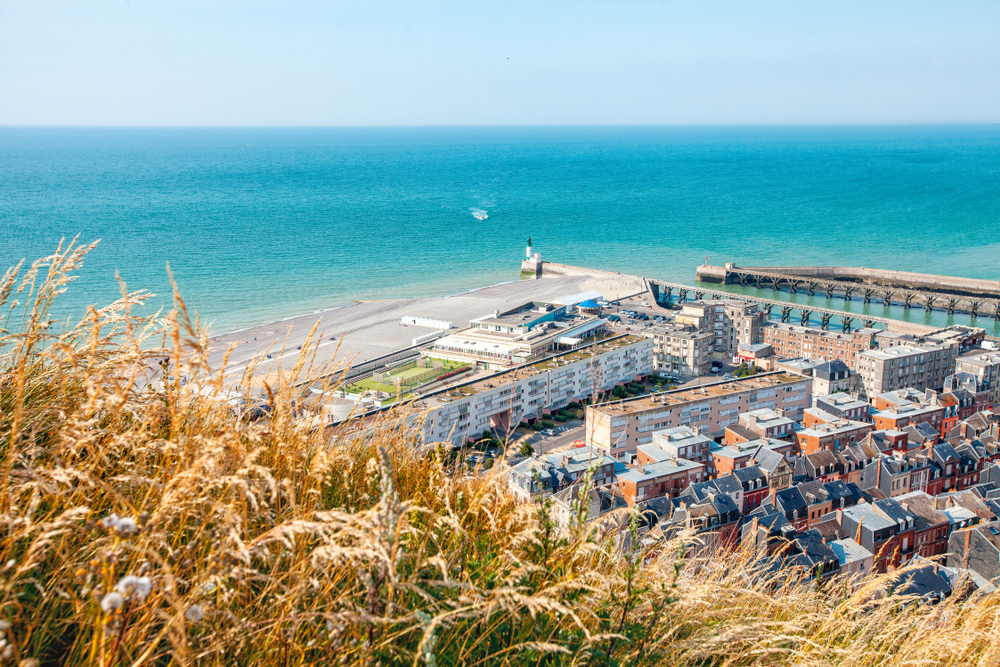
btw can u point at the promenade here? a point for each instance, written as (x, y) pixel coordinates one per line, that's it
(368, 330)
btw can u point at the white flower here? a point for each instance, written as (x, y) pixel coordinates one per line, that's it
(125, 527)
(112, 602)
(136, 587)
(194, 613)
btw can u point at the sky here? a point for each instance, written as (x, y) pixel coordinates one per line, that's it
(539, 62)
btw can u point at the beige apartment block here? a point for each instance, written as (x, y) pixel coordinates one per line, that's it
(619, 427)
(729, 322)
(681, 349)
(499, 402)
(985, 366)
(920, 366)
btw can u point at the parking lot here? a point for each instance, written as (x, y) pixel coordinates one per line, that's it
(560, 435)
(629, 315)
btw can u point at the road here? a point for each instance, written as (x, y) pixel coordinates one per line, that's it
(562, 435)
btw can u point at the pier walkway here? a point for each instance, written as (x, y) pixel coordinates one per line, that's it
(978, 298)
(662, 291)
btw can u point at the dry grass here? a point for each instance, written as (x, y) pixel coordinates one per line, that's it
(272, 543)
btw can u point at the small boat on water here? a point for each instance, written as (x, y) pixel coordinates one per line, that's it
(479, 215)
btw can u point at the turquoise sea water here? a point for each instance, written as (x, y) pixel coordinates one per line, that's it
(260, 224)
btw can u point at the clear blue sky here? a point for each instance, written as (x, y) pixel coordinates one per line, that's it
(290, 62)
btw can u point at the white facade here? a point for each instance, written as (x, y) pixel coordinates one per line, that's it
(499, 402)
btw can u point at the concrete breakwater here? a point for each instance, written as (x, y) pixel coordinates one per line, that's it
(978, 298)
(664, 292)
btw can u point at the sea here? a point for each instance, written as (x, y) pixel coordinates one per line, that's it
(260, 224)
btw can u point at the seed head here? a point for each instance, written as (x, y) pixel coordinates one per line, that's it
(112, 602)
(124, 527)
(194, 613)
(135, 587)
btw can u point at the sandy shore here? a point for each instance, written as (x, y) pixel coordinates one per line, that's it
(372, 329)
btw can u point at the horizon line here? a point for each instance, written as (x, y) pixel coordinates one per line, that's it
(949, 123)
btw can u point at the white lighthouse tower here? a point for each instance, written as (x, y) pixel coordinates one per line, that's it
(531, 265)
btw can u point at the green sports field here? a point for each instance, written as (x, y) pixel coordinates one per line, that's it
(408, 372)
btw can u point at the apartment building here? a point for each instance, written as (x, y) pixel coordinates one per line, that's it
(681, 349)
(767, 423)
(921, 367)
(899, 417)
(833, 433)
(730, 322)
(985, 367)
(843, 406)
(965, 337)
(728, 459)
(680, 442)
(791, 340)
(539, 477)
(499, 402)
(833, 376)
(619, 427)
(657, 480)
(518, 336)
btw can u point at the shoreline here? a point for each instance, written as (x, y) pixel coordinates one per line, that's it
(366, 330)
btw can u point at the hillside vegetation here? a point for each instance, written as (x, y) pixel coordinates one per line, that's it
(146, 522)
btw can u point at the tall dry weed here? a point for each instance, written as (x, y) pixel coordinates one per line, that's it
(145, 521)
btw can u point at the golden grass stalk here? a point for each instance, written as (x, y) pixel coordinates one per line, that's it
(145, 521)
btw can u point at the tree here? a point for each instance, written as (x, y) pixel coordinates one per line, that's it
(526, 449)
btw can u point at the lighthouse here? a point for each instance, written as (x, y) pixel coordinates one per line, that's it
(531, 265)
